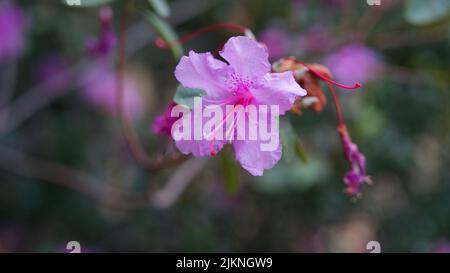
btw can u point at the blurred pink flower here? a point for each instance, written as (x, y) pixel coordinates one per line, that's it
(442, 246)
(356, 176)
(99, 89)
(162, 125)
(99, 80)
(244, 80)
(354, 63)
(277, 42)
(333, 3)
(315, 39)
(13, 23)
(103, 45)
(53, 71)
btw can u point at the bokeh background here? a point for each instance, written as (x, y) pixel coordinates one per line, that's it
(62, 153)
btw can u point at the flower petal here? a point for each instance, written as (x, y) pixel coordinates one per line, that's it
(203, 71)
(200, 146)
(247, 57)
(253, 159)
(278, 89)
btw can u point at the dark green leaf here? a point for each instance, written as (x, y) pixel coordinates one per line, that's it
(185, 96)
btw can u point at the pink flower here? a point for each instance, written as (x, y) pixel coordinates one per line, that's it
(354, 63)
(13, 23)
(356, 176)
(333, 3)
(277, 42)
(162, 124)
(244, 80)
(315, 39)
(442, 246)
(103, 45)
(99, 89)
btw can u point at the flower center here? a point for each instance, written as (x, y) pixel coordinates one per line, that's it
(240, 88)
(241, 96)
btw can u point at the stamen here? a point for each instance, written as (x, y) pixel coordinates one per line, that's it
(317, 74)
(161, 43)
(212, 152)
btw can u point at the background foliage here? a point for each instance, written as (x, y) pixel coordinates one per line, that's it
(400, 120)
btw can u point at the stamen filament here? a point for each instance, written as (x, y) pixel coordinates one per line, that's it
(218, 127)
(317, 74)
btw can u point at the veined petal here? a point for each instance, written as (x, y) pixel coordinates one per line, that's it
(278, 89)
(247, 57)
(203, 71)
(253, 158)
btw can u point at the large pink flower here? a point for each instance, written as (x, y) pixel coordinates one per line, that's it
(244, 80)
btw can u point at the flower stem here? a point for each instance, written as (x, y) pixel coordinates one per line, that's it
(132, 140)
(337, 105)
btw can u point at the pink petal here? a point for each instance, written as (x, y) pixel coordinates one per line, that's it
(278, 89)
(255, 161)
(203, 71)
(247, 57)
(199, 147)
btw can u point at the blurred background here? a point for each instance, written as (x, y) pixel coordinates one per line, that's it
(66, 173)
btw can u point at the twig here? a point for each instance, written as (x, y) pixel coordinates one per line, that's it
(131, 137)
(178, 183)
(55, 173)
(94, 188)
(128, 130)
(37, 98)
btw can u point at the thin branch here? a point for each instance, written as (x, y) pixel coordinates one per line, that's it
(94, 188)
(59, 174)
(24, 107)
(184, 175)
(129, 132)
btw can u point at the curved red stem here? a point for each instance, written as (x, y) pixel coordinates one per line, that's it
(337, 105)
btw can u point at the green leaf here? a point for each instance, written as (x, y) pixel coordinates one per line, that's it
(166, 32)
(230, 171)
(161, 7)
(86, 3)
(300, 150)
(185, 96)
(293, 149)
(420, 12)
